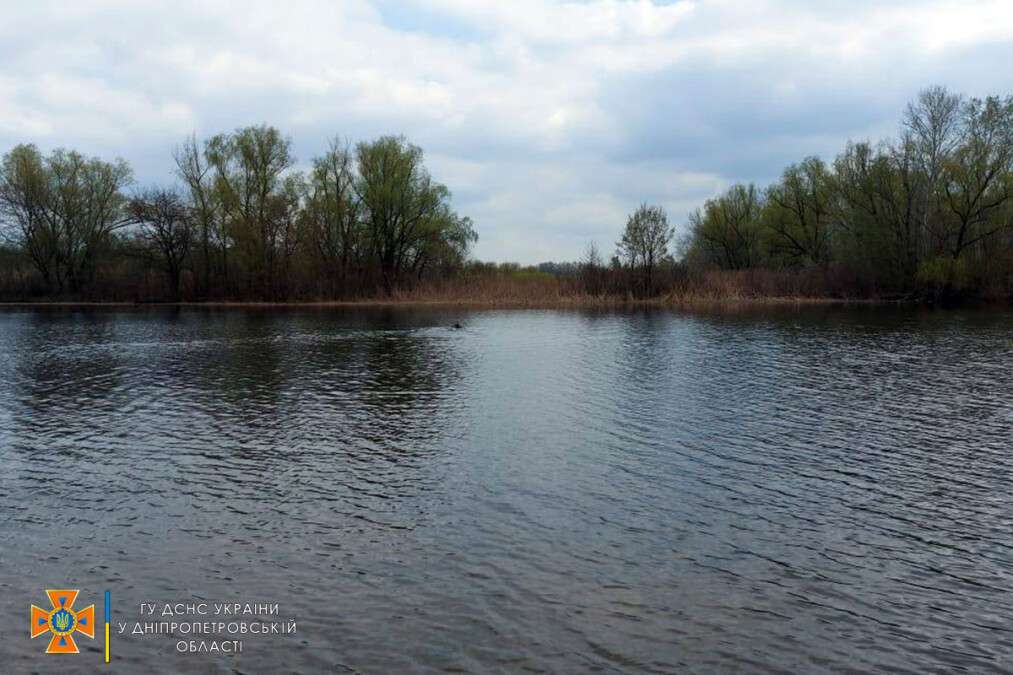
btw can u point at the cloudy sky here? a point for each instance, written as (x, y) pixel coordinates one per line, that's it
(549, 121)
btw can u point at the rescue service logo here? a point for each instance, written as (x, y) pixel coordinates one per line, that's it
(62, 622)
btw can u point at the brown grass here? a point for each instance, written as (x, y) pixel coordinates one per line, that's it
(716, 288)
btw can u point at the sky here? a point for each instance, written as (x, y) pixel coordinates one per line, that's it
(548, 121)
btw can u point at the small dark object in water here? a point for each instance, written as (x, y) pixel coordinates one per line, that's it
(458, 326)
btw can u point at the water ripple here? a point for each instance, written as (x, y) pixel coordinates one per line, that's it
(817, 490)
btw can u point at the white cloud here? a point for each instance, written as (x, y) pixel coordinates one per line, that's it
(549, 120)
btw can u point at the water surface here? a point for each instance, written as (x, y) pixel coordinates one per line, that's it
(797, 490)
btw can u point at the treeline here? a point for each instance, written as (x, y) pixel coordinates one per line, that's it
(241, 223)
(924, 216)
(928, 213)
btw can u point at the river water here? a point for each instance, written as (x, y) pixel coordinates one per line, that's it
(820, 489)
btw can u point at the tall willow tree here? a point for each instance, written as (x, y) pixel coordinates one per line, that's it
(976, 180)
(442, 243)
(728, 228)
(63, 209)
(799, 213)
(879, 195)
(26, 207)
(248, 168)
(404, 211)
(333, 212)
(931, 211)
(242, 222)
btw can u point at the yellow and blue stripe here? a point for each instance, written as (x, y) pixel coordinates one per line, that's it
(107, 625)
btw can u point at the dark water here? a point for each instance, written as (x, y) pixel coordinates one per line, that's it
(819, 490)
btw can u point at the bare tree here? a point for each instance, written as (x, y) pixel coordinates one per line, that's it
(644, 243)
(194, 170)
(592, 270)
(931, 132)
(166, 225)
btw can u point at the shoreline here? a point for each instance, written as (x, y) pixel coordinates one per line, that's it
(576, 302)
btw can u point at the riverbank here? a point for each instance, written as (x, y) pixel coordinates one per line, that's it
(571, 302)
(545, 291)
(508, 287)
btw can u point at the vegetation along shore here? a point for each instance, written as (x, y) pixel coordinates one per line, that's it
(923, 217)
